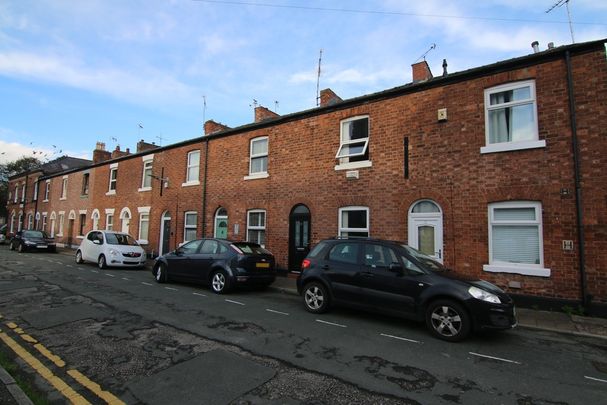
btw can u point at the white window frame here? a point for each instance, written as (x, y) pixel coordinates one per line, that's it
(190, 164)
(12, 228)
(512, 145)
(344, 161)
(35, 191)
(341, 229)
(528, 269)
(63, 188)
(187, 227)
(109, 221)
(257, 227)
(61, 223)
(47, 190)
(30, 221)
(44, 221)
(144, 217)
(16, 194)
(261, 174)
(23, 193)
(147, 166)
(20, 222)
(114, 181)
(86, 190)
(95, 216)
(37, 221)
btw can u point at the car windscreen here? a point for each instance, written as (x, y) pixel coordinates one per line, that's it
(424, 259)
(120, 239)
(250, 248)
(35, 234)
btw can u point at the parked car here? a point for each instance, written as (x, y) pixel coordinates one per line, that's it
(393, 278)
(3, 231)
(32, 240)
(218, 263)
(109, 248)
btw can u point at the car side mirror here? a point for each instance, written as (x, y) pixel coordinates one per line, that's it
(96, 241)
(396, 268)
(178, 252)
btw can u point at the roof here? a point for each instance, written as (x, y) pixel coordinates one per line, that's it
(61, 164)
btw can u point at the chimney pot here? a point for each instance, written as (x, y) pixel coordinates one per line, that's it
(536, 46)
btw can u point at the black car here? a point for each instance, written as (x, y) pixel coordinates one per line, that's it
(32, 240)
(218, 263)
(393, 278)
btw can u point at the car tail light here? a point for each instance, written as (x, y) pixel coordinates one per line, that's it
(305, 264)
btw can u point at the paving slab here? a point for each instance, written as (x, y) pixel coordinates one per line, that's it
(18, 284)
(216, 377)
(61, 315)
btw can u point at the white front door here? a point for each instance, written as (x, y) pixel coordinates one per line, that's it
(426, 228)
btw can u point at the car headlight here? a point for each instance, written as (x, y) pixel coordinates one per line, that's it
(483, 295)
(29, 243)
(113, 252)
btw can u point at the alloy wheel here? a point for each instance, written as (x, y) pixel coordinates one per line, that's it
(219, 282)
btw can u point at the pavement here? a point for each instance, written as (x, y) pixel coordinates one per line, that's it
(559, 322)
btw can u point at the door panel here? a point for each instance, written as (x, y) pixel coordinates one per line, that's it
(426, 235)
(342, 267)
(299, 236)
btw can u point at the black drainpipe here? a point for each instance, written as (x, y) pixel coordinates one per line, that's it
(204, 189)
(586, 298)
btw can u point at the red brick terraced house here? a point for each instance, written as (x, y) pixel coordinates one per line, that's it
(499, 172)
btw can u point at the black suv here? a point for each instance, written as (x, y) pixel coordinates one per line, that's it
(396, 279)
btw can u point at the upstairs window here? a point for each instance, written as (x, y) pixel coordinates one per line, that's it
(23, 193)
(146, 177)
(85, 184)
(354, 140)
(47, 190)
(64, 188)
(35, 191)
(193, 169)
(258, 158)
(511, 118)
(16, 194)
(113, 179)
(354, 222)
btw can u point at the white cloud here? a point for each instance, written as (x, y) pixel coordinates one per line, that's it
(142, 87)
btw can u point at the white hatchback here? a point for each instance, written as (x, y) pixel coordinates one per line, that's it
(109, 248)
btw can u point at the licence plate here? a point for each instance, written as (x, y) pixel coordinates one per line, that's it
(41, 246)
(262, 265)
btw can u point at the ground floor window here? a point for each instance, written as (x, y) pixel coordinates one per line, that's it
(353, 222)
(61, 222)
(189, 226)
(109, 222)
(256, 226)
(515, 238)
(144, 227)
(81, 224)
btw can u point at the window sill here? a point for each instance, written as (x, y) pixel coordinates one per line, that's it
(510, 146)
(257, 176)
(144, 189)
(526, 271)
(111, 192)
(353, 165)
(190, 183)
(63, 199)
(44, 200)
(80, 237)
(143, 241)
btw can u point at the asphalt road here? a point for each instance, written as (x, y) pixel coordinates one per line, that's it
(145, 342)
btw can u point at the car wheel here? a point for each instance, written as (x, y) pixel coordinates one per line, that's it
(20, 248)
(316, 298)
(220, 282)
(160, 274)
(101, 262)
(79, 257)
(448, 320)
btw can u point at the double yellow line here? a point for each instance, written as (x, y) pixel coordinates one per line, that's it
(60, 385)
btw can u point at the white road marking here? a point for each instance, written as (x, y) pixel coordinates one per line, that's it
(68, 265)
(126, 279)
(59, 262)
(144, 283)
(200, 295)
(400, 338)
(494, 358)
(277, 312)
(235, 302)
(171, 288)
(81, 268)
(109, 275)
(331, 323)
(94, 271)
(595, 379)
(50, 261)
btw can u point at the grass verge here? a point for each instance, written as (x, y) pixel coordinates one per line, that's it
(23, 382)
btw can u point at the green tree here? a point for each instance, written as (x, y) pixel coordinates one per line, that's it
(8, 169)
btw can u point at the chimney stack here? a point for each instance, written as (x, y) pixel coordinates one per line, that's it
(263, 114)
(536, 46)
(421, 72)
(211, 127)
(118, 153)
(100, 154)
(328, 97)
(142, 145)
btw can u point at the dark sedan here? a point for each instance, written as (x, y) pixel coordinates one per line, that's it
(218, 263)
(32, 240)
(393, 278)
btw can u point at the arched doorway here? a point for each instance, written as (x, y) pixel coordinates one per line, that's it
(125, 217)
(165, 233)
(299, 236)
(426, 228)
(221, 223)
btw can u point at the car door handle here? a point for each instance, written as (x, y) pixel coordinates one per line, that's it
(367, 274)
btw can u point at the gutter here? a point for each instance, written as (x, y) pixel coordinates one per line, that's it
(204, 189)
(586, 298)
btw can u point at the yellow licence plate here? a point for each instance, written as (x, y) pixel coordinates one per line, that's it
(262, 265)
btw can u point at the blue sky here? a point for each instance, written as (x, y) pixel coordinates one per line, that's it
(76, 72)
